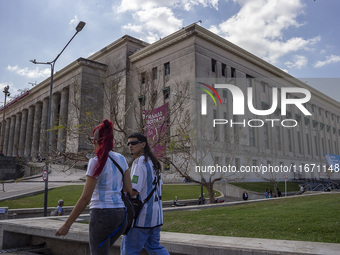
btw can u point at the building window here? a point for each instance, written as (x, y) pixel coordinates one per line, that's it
(224, 96)
(255, 163)
(216, 127)
(154, 73)
(166, 92)
(233, 72)
(154, 97)
(316, 145)
(278, 137)
(213, 65)
(249, 80)
(323, 145)
(299, 141)
(143, 77)
(266, 136)
(226, 133)
(224, 70)
(263, 86)
(167, 68)
(308, 144)
(236, 131)
(290, 147)
(251, 137)
(237, 163)
(141, 100)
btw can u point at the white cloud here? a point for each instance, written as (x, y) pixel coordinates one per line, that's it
(329, 60)
(188, 5)
(259, 27)
(298, 62)
(152, 23)
(154, 19)
(74, 21)
(133, 28)
(135, 5)
(30, 73)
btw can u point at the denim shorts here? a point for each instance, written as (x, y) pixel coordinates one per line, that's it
(103, 222)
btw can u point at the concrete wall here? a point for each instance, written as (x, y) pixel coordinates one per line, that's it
(26, 232)
(234, 191)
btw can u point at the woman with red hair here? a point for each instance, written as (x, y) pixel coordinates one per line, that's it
(103, 186)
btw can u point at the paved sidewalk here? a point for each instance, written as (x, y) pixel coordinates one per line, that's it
(56, 178)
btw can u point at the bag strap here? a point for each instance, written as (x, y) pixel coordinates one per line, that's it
(120, 169)
(155, 183)
(117, 165)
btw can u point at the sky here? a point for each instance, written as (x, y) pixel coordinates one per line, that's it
(300, 37)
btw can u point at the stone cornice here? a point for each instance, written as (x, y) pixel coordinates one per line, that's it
(91, 63)
(159, 45)
(115, 44)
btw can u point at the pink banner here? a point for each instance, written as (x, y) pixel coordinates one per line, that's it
(155, 128)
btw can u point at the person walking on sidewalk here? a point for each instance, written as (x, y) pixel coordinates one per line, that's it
(145, 175)
(103, 187)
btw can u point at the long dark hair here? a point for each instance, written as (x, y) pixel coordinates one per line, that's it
(147, 150)
(103, 134)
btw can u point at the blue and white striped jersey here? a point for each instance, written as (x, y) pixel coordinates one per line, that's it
(143, 176)
(107, 193)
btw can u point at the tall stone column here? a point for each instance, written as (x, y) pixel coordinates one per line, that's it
(6, 136)
(23, 127)
(29, 132)
(43, 134)
(1, 126)
(63, 120)
(17, 134)
(36, 130)
(11, 136)
(54, 122)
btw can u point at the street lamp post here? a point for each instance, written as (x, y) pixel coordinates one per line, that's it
(79, 27)
(7, 94)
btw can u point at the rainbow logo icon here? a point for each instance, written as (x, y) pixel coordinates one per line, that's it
(204, 97)
(209, 93)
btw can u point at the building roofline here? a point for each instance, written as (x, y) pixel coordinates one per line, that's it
(219, 41)
(115, 44)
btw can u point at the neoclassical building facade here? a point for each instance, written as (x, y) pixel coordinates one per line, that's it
(191, 56)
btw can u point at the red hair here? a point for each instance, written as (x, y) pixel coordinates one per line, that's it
(103, 134)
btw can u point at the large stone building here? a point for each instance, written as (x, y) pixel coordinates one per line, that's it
(115, 81)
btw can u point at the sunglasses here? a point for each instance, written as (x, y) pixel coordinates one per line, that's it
(133, 143)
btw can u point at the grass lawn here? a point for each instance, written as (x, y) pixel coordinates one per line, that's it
(303, 218)
(261, 186)
(70, 194)
(183, 191)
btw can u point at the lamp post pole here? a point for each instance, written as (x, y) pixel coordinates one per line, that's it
(6, 92)
(79, 27)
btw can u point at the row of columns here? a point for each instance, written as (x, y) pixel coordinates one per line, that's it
(26, 132)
